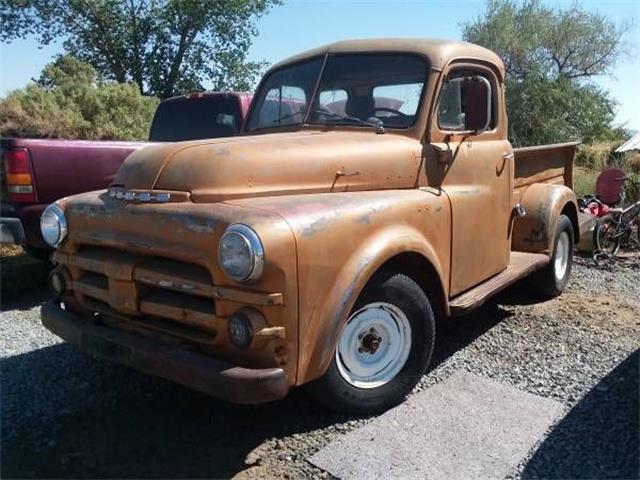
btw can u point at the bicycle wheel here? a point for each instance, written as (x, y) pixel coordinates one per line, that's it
(605, 235)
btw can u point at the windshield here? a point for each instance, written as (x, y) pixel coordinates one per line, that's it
(196, 117)
(355, 89)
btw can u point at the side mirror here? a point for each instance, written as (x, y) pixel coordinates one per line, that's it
(476, 93)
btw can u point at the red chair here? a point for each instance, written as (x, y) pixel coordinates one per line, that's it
(609, 186)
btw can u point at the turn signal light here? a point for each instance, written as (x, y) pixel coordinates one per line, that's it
(59, 281)
(19, 176)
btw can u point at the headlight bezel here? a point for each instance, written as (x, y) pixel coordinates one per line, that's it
(255, 247)
(61, 223)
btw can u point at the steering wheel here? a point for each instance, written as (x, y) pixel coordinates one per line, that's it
(390, 110)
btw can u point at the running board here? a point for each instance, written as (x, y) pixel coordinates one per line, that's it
(521, 265)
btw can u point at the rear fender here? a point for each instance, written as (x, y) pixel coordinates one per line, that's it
(325, 323)
(543, 203)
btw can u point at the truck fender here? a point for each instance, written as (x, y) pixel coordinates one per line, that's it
(543, 204)
(325, 322)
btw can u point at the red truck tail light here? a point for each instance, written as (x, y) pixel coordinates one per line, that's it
(19, 176)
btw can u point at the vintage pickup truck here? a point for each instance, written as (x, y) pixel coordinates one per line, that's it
(317, 247)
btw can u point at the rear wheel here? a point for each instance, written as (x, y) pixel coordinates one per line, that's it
(553, 278)
(605, 237)
(383, 349)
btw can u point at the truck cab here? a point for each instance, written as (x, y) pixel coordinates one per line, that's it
(373, 189)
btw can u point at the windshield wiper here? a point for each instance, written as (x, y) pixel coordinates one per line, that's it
(378, 126)
(278, 122)
(285, 116)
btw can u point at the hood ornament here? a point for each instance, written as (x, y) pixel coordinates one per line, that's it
(139, 196)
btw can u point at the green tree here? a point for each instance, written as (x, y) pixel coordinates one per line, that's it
(551, 57)
(69, 101)
(165, 47)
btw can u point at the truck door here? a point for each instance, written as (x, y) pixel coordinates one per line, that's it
(478, 173)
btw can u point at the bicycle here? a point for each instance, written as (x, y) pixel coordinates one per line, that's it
(619, 227)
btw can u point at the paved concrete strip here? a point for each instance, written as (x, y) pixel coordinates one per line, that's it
(465, 427)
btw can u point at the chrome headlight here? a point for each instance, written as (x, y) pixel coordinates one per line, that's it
(53, 225)
(240, 253)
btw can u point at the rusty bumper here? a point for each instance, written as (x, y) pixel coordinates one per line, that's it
(194, 370)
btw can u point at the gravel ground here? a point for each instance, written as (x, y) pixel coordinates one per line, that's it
(66, 415)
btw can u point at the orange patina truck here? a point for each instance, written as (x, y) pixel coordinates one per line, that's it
(373, 188)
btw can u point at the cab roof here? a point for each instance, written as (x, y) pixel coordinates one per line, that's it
(439, 52)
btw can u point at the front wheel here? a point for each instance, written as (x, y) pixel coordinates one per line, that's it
(553, 278)
(382, 350)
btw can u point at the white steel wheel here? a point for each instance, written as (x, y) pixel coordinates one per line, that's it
(561, 259)
(382, 350)
(374, 345)
(552, 279)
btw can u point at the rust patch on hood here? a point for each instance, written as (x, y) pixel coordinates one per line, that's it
(275, 164)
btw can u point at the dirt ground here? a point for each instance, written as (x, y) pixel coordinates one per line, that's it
(65, 415)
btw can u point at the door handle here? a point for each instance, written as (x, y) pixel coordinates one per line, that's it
(341, 173)
(501, 165)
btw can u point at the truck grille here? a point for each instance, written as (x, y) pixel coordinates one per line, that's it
(152, 292)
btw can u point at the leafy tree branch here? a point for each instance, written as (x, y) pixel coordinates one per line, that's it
(164, 46)
(551, 57)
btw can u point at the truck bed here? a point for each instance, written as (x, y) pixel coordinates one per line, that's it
(551, 163)
(66, 167)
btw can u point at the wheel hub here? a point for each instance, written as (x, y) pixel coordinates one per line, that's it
(370, 342)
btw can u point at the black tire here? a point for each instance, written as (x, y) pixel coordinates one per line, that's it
(43, 254)
(334, 392)
(546, 281)
(602, 235)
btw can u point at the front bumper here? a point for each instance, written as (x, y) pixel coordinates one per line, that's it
(21, 224)
(11, 230)
(175, 363)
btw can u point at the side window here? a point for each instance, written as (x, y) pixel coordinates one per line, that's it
(450, 111)
(466, 102)
(283, 106)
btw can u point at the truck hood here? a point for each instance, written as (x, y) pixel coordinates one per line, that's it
(275, 164)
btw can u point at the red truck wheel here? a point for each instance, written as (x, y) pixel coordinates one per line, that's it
(383, 349)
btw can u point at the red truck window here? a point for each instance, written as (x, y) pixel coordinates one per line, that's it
(195, 118)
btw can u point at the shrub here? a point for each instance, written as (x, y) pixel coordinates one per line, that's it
(584, 181)
(597, 156)
(69, 101)
(632, 161)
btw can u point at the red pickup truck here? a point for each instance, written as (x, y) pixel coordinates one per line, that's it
(36, 172)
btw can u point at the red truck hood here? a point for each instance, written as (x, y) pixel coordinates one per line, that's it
(275, 164)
